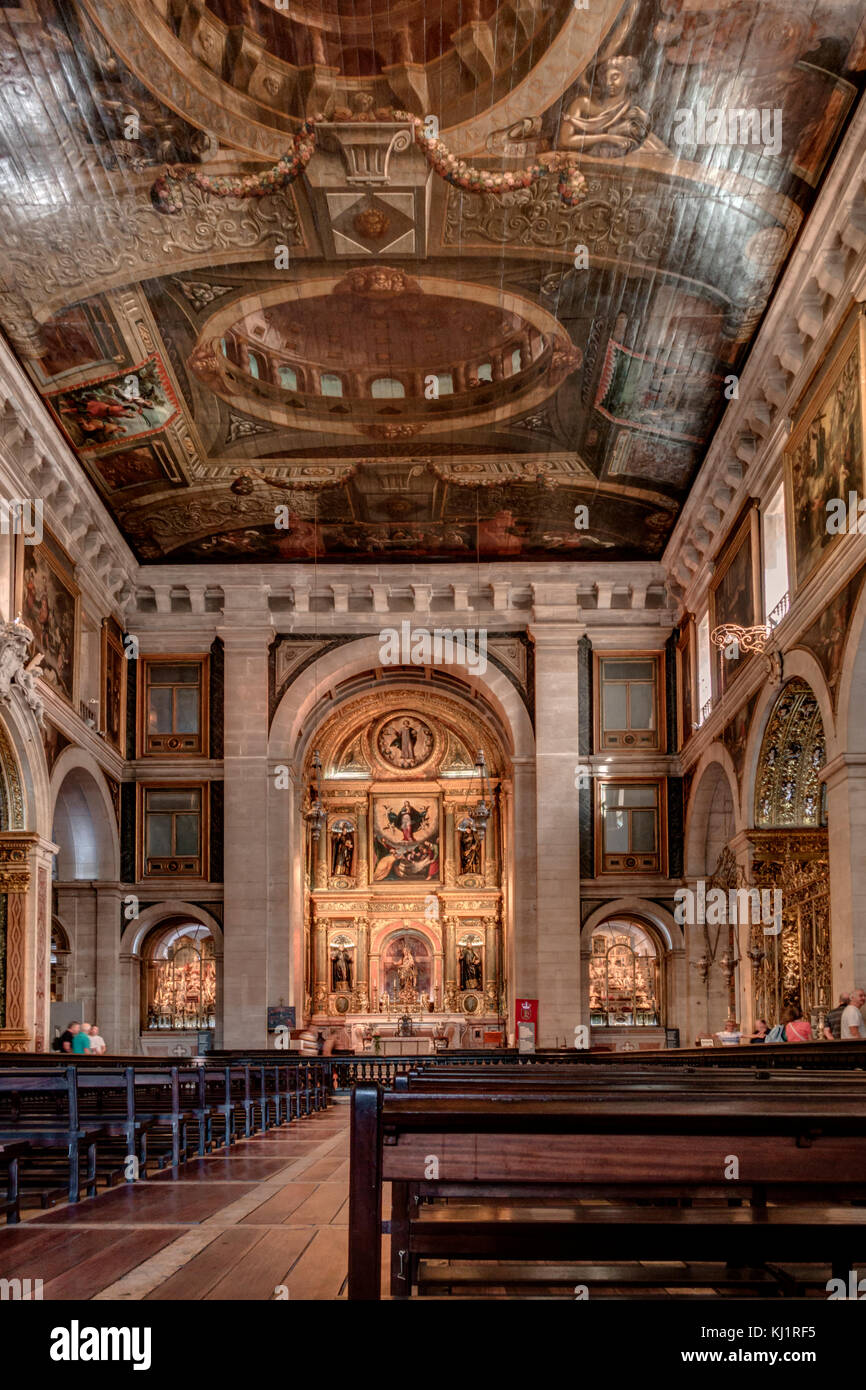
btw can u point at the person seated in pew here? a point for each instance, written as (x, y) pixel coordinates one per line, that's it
(797, 1028)
(731, 1035)
(81, 1041)
(97, 1043)
(762, 1028)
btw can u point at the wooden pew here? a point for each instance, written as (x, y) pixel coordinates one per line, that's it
(41, 1108)
(566, 1143)
(11, 1152)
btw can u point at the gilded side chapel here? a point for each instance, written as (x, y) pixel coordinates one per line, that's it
(432, 606)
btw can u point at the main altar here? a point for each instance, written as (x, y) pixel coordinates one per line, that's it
(406, 807)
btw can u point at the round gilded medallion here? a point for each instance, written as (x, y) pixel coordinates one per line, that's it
(404, 742)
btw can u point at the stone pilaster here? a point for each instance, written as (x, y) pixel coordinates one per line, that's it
(556, 633)
(246, 635)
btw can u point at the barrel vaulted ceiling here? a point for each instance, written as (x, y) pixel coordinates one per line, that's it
(411, 366)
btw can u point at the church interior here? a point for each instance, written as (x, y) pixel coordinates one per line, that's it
(432, 616)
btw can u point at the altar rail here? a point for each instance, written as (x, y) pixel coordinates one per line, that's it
(815, 1056)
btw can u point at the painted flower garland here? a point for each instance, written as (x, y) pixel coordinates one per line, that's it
(571, 184)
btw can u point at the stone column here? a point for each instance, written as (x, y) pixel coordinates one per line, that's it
(25, 885)
(246, 635)
(108, 1004)
(322, 987)
(556, 633)
(521, 959)
(361, 844)
(845, 778)
(362, 926)
(451, 982)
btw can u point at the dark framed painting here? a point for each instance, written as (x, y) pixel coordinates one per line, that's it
(824, 454)
(113, 683)
(48, 601)
(405, 838)
(735, 595)
(685, 681)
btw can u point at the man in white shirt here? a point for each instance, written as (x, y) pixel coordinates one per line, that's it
(853, 1026)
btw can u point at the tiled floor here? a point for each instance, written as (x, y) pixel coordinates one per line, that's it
(267, 1220)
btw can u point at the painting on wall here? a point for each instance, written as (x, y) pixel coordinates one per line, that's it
(113, 682)
(827, 636)
(128, 405)
(824, 456)
(734, 596)
(48, 604)
(405, 834)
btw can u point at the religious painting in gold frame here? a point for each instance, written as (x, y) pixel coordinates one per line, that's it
(47, 599)
(405, 834)
(824, 454)
(735, 595)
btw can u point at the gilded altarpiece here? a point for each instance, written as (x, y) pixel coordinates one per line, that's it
(789, 853)
(792, 966)
(404, 910)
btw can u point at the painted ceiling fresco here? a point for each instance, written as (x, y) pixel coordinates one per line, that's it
(375, 352)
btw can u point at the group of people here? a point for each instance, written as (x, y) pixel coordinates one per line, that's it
(78, 1038)
(845, 1023)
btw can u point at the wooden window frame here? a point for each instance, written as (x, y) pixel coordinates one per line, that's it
(203, 856)
(146, 663)
(658, 734)
(644, 863)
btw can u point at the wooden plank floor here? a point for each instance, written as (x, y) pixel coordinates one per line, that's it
(267, 1220)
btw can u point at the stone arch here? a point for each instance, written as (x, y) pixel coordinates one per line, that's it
(850, 717)
(712, 818)
(132, 942)
(802, 665)
(83, 822)
(805, 745)
(667, 936)
(301, 706)
(27, 803)
(311, 701)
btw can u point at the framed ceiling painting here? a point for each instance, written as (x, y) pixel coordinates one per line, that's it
(824, 454)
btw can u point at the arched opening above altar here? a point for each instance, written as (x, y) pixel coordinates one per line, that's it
(404, 879)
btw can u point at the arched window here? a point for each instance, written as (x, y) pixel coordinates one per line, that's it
(223, 348)
(516, 361)
(288, 378)
(386, 388)
(179, 987)
(788, 788)
(623, 977)
(331, 385)
(253, 365)
(485, 372)
(446, 383)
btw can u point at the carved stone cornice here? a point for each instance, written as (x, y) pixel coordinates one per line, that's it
(826, 273)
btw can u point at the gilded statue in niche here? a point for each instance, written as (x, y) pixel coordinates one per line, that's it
(342, 848)
(342, 966)
(469, 967)
(470, 852)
